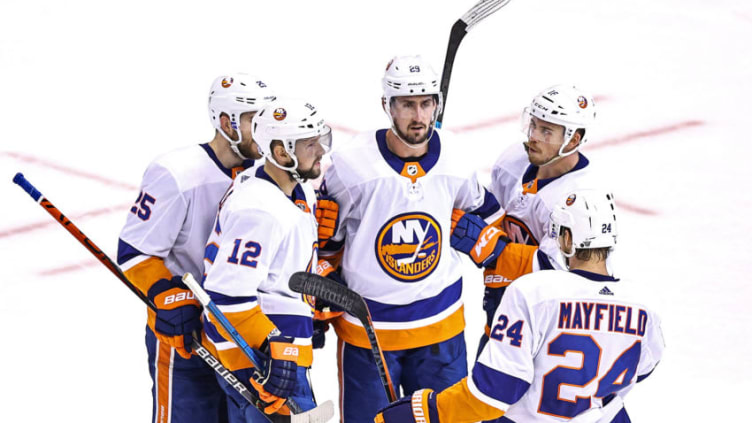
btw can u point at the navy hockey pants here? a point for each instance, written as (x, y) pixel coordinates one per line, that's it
(362, 395)
(183, 390)
(241, 411)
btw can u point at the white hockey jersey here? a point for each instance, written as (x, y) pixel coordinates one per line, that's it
(395, 219)
(260, 238)
(563, 343)
(528, 201)
(173, 215)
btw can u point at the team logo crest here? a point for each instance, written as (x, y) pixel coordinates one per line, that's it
(571, 199)
(582, 102)
(412, 170)
(226, 82)
(280, 114)
(408, 246)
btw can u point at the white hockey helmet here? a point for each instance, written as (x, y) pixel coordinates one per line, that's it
(288, 120)
(590, 215)
(563, 105)
(235, 94)
(408, 76)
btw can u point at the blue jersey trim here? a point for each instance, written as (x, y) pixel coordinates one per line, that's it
(543, 261)
(212, 332)
(297, 192)
(221, 299)
(246, 163)
(640, 378)
(498, 385)
(594, 276)
(489, 206)
(290, 325)
(532, 172)
(126, 252)
(427, 161)
(419, 309)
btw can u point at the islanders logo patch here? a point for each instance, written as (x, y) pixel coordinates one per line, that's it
(408, 246)
(280, 113)
(227, 82)
(582, 102)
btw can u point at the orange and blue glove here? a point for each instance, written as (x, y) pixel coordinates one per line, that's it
(471, 235)
(327, 216)
(278, 379)
(178, 314)
(419, 407)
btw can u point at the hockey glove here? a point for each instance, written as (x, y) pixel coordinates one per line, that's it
(483, 243)
(277, 380)
(421, 406)
(327, 216)
(323, 312)
(178, 314)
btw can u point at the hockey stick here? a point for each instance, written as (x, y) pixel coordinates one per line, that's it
(350, 301)
(202, 352)
(477, 13)
(320, 414)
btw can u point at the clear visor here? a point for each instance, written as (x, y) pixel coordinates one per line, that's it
(536, 129)
(324, 139)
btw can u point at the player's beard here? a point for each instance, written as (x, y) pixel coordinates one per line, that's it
(412, 139)
(312, 172)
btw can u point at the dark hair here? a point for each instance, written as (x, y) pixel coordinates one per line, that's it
(599, 254)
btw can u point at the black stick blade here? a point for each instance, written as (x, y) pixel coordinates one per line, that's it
(331, 292)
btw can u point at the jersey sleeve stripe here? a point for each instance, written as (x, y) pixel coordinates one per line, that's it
(489, 206)
(499, 386)
(291, 325)
(221, 299)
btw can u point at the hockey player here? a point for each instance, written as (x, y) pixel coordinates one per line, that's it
(528, 179)
(396, 188)
(164, 237)
(565, 344)
(264, 232)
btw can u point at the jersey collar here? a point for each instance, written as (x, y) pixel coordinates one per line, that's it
(532, 171)
(397, 163)
(227, 171)
(298, 195)
(594, 276)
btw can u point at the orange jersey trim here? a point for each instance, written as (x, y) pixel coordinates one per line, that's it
(148, 272)
(403, 339)
(457, 404)
(516, 260)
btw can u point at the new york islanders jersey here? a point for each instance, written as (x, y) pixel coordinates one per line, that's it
(166, 229)
(395, 218)
(565, 342)
(527, 202)
(260, 238)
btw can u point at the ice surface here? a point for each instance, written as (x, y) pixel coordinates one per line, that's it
(92, 91)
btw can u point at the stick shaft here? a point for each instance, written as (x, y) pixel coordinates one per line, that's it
(66, 223)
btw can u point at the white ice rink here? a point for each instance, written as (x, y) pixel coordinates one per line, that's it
(91, 91)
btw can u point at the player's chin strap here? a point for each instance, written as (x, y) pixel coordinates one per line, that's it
(561, 154)
(234, 144)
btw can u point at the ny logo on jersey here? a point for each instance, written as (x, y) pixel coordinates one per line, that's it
(518, 232)
(408, 246)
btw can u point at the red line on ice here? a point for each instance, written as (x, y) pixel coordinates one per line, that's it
(69, 268)
(643, 134)
(68, 170)
(51, 222)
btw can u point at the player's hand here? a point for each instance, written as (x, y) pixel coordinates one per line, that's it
(278, 379)
(327, 216)
(405, 410)
(483, 243)
(178, 314)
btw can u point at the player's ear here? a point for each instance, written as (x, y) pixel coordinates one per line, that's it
(224, 122)
(575, 141)
(279, 152)
(383, 103)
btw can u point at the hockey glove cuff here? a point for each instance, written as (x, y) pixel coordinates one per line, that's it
(278, 379)
(420, 407)
(178, 314)
(483, 243)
